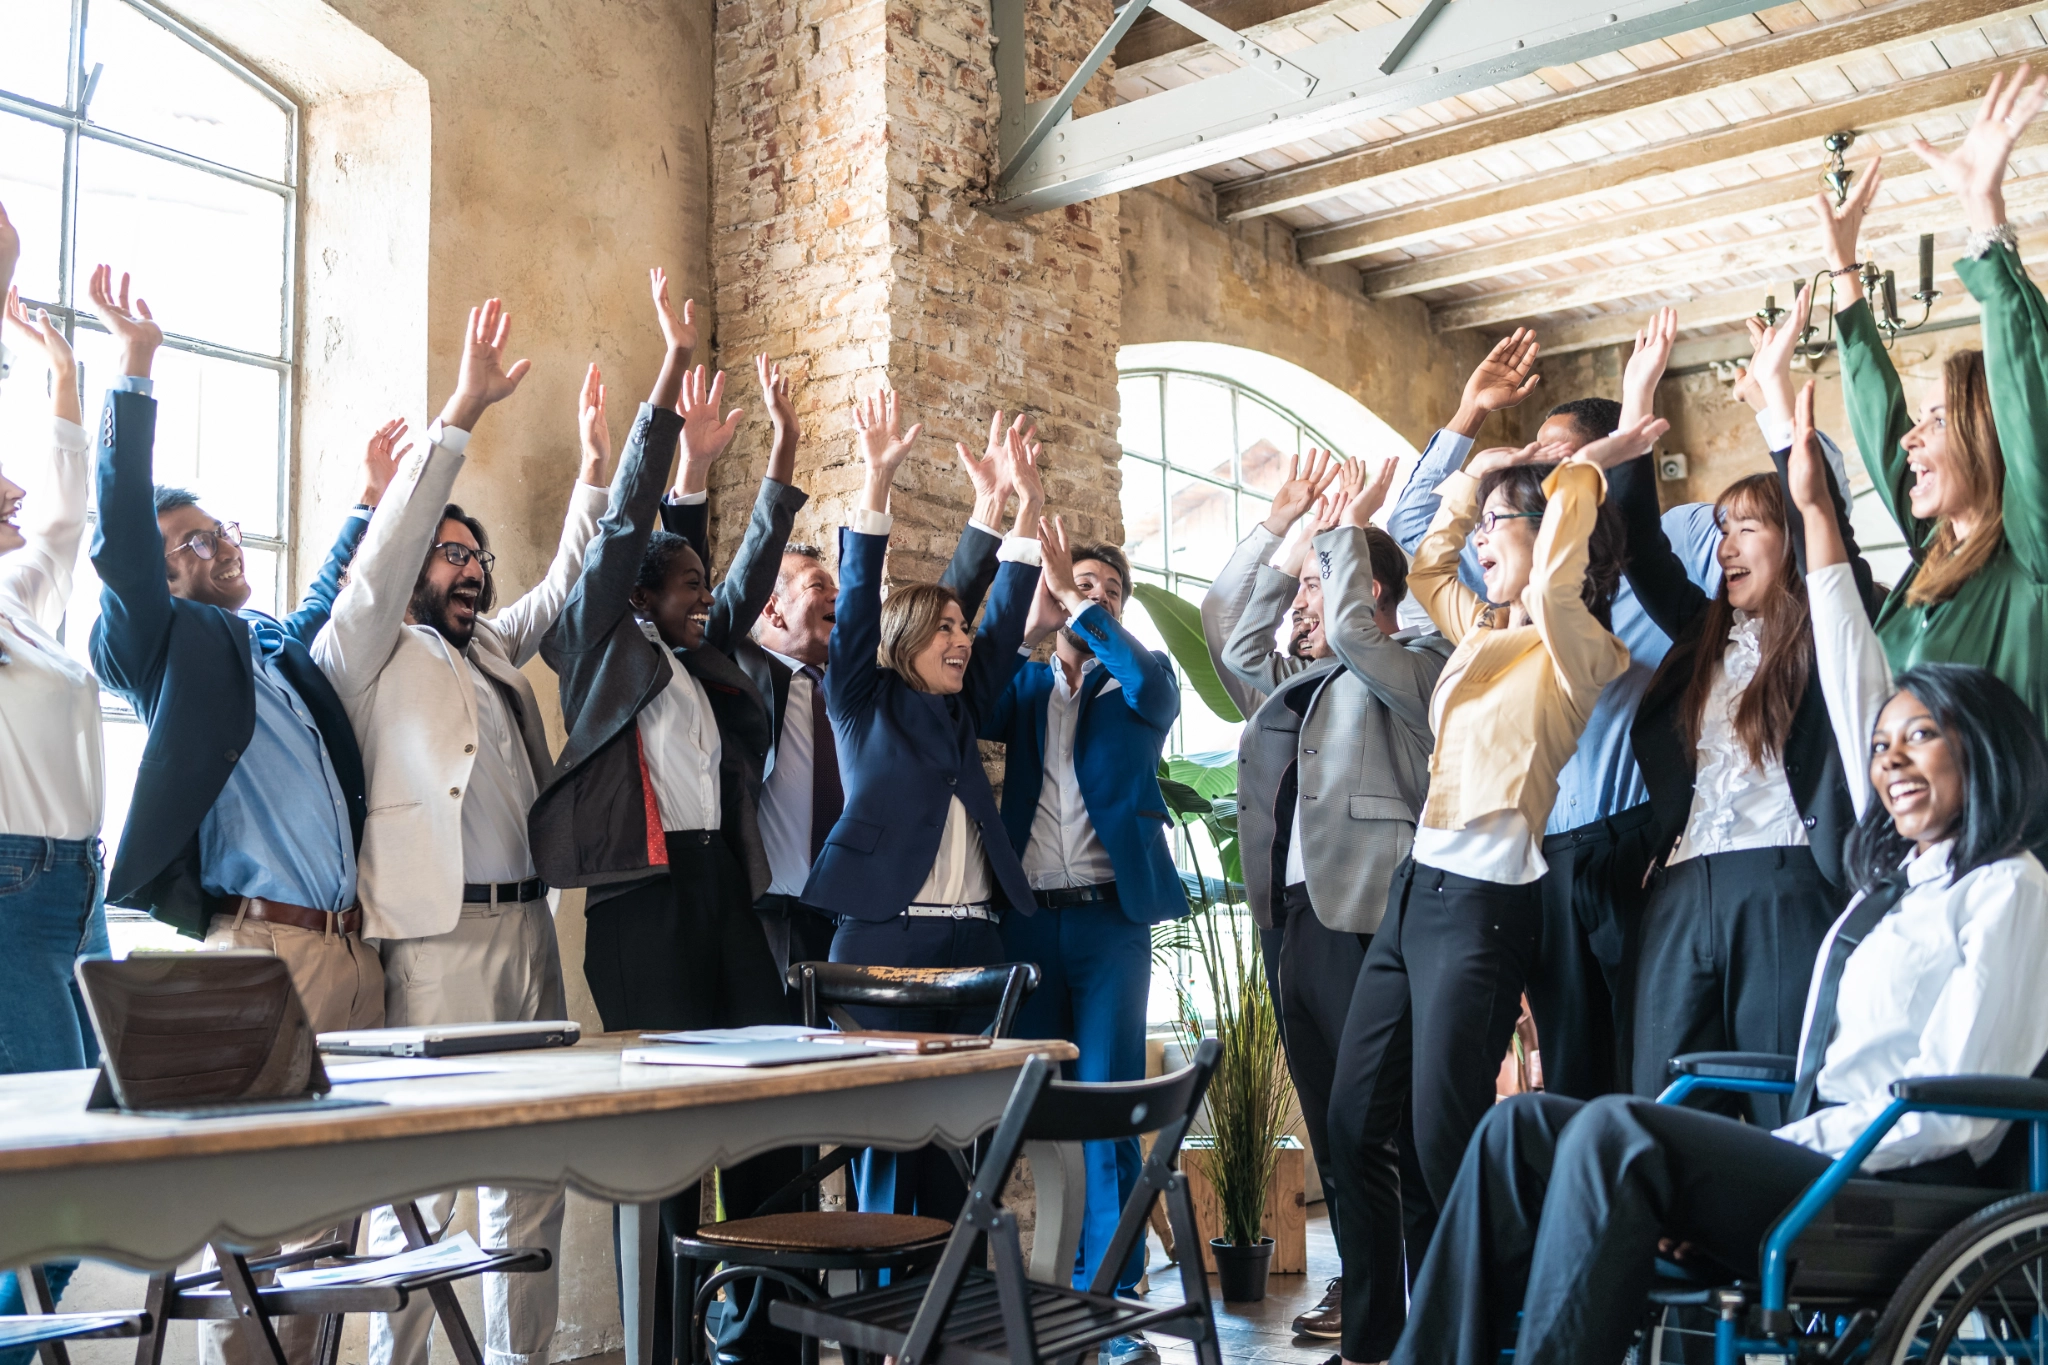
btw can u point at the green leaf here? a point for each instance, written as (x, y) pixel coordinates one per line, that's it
(1179, 623)
(1183, 800)
(1213, 775)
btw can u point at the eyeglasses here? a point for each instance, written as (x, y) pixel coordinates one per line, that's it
(1492, 520)
(458, 554)
(206, 544)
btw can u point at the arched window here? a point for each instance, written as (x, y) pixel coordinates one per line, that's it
(127, 138)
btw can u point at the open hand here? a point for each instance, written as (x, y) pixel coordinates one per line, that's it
(592, 430)
(679, 332)
(775, 393)
(1020, 465)
(1806, 476)
(1839, 227)
(990, 474)
(705, 433)
(1631, 442)
(1645, 368)
(1503, 457)
(1772, 346)
(381, 459)
(1058, 562)
(1503, 379)
(56, 353)
(132, 326)
(1308, 478)
(1046, 616)
(1974, 169)
(884, 444)
(1366, 484)
(484, 378)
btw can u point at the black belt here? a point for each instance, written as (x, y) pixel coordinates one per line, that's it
(1068, 896)
(503, 893)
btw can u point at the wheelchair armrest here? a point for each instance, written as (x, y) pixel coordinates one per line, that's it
(2020, 1097)
(1735, 1066)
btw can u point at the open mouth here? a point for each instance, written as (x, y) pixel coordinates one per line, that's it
(1735, 574)
(1487, 564)
(229, 573)
(831, 616)
(1905, 792)
(466, 597)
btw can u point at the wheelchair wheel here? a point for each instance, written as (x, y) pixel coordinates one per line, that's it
(1981, 1291)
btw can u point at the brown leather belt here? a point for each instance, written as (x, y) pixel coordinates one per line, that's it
(349, 921)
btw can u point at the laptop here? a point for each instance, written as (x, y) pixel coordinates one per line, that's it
(203, 1035)
(453, 1040)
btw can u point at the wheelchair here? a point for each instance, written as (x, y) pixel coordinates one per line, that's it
(1885, 1271)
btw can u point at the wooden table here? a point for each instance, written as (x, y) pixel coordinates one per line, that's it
(148, 1193)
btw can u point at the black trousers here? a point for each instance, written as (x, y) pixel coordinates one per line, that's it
(1579, 989)
(1557, 1211)
(1318, 976)
(1729, 942)
(924, 1181)
(1430, 1020)
(689, 952)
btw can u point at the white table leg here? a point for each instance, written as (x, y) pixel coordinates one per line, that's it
(1060, 1177)
(639, 1256)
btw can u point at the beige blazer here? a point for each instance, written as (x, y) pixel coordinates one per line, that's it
(412, 699)
(1513, 700)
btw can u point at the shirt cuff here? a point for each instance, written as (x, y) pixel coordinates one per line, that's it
(363, 510)
(1020, 550)
(67, 435)
(134, 383)
(1457, 445)
(1777, 430)
(978, 525)
(454, 440)
(697, 499)
(863, 522)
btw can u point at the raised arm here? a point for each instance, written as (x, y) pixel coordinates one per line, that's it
(1145, 683)
(1230, 592)
(38, 575)
(1400, 677)
(370, 612)
(1584, 655)
(1009, 465)
(750, 580)
(381, 459)
(852, 673)
(127, 546)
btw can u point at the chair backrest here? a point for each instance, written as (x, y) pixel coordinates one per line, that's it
(1002, 987)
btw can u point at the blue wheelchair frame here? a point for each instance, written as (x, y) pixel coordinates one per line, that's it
(1777, 1321)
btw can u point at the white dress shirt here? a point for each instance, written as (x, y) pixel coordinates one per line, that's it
(679, 739)
(1497, 847)
(786, 792)
(1736, 803)
(51, 774)
(501, 791)
(1064, 850)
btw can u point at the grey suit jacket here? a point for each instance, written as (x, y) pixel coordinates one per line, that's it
(1354, 728)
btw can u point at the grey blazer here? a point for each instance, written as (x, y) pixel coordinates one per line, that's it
(1354, 727)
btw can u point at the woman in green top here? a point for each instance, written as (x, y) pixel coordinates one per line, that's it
(1967, 483)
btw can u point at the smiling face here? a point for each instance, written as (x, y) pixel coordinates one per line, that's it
(1938, 489)
(1915, 772)
(11, 537)
(219, 581)
(1752, 556)
(941, 665)
(1305, 637)
(798, 618)
(446, 597)
(682, 606)
(1508, 551)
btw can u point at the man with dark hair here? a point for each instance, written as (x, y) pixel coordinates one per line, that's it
(1081, 803)
(249, 804)
(456, 752)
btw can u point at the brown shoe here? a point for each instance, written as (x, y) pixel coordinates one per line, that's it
(1326, 1319)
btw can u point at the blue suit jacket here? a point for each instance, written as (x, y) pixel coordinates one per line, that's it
(1117, 744)
(185, 668)
(904, 754)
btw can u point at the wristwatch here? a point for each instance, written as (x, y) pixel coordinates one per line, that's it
(1980, 244)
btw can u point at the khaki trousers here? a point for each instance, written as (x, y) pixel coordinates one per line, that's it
(500, 962)
(340, 980)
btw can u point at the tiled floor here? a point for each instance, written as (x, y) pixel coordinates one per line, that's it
(1259, 1331)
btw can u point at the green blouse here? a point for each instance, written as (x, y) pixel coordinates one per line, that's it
(1999, 617)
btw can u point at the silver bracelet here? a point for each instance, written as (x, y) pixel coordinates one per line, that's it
(1980, 244)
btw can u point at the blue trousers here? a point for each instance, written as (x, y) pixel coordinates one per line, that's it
(1095, 971)
(50, 907)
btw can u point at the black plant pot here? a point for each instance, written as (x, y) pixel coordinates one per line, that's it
(1241, 1271)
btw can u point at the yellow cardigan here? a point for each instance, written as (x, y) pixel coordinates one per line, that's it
(1512, 701)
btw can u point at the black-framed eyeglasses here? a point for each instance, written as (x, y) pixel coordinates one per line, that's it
(458, 554)
(206, 544)
(1492, 520)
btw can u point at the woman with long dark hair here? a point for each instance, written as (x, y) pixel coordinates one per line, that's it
(1560, 1206)
(1748, 801)
(1441, 987)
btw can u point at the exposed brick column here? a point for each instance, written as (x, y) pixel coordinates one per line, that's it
(851, 139)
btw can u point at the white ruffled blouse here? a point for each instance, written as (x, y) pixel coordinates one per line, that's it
(1737, 804)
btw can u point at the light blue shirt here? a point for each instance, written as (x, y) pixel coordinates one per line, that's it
(1600, 779)
(279, 829)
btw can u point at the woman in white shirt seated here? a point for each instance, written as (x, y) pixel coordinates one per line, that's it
(1560, 1206)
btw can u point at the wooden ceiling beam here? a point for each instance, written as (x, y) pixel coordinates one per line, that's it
(1454, 214)
(1774, 253)
(1348, 172)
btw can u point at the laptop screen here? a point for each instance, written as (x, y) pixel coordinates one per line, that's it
(179, 1029)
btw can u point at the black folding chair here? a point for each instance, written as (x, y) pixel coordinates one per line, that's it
(47, 1330)
(229, 1292)
(788, 1239)
(965, 1315)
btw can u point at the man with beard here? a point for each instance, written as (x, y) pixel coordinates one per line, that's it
(455, 751)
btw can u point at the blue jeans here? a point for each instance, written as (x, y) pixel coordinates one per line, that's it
(1095, 971)
(51, 916)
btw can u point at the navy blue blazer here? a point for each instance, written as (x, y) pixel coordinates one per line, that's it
(905, 754)
(1117, 745)
(185, 668)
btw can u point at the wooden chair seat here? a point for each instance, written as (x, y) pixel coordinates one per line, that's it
(848, 1232)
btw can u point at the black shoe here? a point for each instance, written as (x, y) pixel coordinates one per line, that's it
(1326, 1319)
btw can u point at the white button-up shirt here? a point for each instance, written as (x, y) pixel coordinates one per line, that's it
(1064, 850)
(679, 739)
(1736, 803)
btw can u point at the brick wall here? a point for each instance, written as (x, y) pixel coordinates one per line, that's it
(851, 140)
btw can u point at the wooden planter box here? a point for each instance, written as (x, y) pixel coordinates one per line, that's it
(1286, 1219)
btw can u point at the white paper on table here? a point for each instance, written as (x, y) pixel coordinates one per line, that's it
(458, 1251)
(752, 1033)
(400, 1069)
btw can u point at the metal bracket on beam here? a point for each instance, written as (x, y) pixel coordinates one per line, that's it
(1235, 44)
(1040, 118)
(1416, 28)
